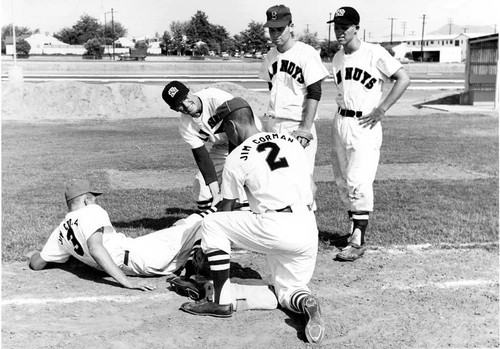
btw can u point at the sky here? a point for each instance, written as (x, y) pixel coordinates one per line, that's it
(148, 17)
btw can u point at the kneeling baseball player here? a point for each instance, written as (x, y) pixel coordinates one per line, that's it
(272, 168)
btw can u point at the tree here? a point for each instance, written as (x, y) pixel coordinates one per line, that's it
(94, 48)
(166, 43)
(23, 47)
(179, 42)
(309, 38)
(252, 39)
(20, 33)
(198, 29)
(328, 50)
(88, 27)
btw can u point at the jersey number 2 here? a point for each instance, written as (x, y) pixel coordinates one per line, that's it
(272, 158)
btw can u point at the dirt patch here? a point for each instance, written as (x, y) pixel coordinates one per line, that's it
(392, 298)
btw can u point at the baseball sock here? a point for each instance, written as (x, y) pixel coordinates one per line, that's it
(360, 223)
(297, 300)
(219, 266)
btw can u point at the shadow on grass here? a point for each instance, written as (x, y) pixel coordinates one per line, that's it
(173, 214)
(333, 239)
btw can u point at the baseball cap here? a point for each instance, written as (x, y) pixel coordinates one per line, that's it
(77, 187)
(174, 93)
(230, 106)
(278, 16)
(345, 15)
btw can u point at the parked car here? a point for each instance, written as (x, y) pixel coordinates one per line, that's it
(224, 55)
(258, 55)
(248, 55)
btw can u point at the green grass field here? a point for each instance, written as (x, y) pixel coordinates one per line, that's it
(38, 158)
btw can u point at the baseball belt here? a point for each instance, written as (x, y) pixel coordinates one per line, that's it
(125, 257)
(350, 113)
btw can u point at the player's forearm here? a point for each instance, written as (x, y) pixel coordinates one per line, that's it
(214, 188)
(399, 87)
(309, 114)
(104, 260)
(205, 164)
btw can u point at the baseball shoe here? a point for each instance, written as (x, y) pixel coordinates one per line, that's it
(315, 328)
(206, 308)
(350, 253)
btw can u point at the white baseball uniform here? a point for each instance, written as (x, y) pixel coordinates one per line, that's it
(158, 253)
(273, 169)
(290, 73)
(206, 128)
(359, 77)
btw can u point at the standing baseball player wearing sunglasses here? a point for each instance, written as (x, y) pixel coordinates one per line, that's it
(197, 127)
(294, 73)
(360, 70)
(281, 224)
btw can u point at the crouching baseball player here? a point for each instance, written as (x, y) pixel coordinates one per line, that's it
(87, 234)
(273, 169)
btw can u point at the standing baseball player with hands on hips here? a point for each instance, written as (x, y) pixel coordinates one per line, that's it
(359, 70)
(198, 125)
(272, 167)
(294, 73)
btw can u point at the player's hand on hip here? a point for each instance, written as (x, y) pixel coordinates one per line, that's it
(217, 198)
(303, 136)
(141, 285)
(370, 120)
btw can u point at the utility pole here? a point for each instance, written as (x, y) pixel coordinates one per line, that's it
(422, 41)
(364, 32)
(329, 30)
(112, 30)
(404, 28)
(465, 30)
(307, 28)
(450, 23)
(392, 20)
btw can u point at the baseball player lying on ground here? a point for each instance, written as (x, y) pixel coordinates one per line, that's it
(86, 233)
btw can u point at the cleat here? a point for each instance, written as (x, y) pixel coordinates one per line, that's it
(351, 253)
(315, 328)
(205, 308)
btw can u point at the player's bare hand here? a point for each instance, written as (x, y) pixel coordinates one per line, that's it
(303, 136)
(370, 120)
(141, 285)
(217, 198)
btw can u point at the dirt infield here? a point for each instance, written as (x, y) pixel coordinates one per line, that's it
(418, 297)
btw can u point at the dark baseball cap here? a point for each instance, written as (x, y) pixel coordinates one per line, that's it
(174, 93)
(278, 16)
(230, 106)
(345, 15)
(77, 187)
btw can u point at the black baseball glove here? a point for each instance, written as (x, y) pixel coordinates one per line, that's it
(191, 288)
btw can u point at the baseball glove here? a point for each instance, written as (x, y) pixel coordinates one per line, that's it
(304, 137)
(193, 289)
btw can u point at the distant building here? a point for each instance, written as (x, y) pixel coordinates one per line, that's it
(434, 47)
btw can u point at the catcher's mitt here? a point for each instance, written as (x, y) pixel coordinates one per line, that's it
(200, 262)
(304, 137)
(191, 288)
